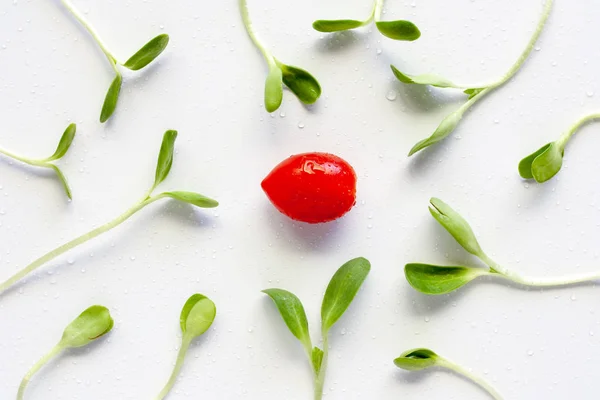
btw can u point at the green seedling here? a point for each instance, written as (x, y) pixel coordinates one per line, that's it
(543, 164)
(420, 359)
(299, 81)
(197, 316)
(339, 294)
(90, 325)
(474, 92)
(435, 279)
(165, 160)
(397, 30)
(136, 62)
(62, 148)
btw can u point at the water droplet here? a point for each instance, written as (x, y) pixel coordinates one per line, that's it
(530, 353)
(301, 125)
(590, 93)
(391, 95)
(282, 114)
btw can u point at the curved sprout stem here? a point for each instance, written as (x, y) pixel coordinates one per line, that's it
(83, 21)
(320, 377)
(26, 160)
(250, 30)
(36, 367)
(545, 282)
(442, 362)
(376, 13)
(562, 142)
(185, 344)
(536, 34)
(77, 241)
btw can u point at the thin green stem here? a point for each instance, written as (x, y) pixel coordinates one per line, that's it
(36, 163)
(513, 70)
(538, 31)
(185, 344)
(537, 282)
(320, 378)
(376, 13)
(76, 242)
(442, 362)
(474, 100)
(248, 24)
(565, 137)
(36, 367)
(83, 21)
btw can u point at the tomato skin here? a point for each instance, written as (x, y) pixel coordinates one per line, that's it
(312, 187)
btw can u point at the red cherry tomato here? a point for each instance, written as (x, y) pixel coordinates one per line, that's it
(312, 187)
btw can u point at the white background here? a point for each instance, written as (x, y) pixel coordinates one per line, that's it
(531, 344)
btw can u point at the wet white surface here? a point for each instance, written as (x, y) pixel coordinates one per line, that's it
(530, 344)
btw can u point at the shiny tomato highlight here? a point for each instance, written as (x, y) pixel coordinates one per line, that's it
(312, 187)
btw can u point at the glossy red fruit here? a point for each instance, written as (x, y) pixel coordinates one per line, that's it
(312, 187)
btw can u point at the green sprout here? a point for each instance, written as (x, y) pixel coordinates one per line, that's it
(163, 167)
(339, 294)
(543, 164)
(474, 92)
(197, 316)
(397, 30)
(139, 60)
(299, 81)
(62, 148)
(90, 325)
(420, 359)
(436, 280)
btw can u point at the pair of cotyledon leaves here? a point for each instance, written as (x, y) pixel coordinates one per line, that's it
(196, 317)
(342, 289)
(139, 60)
(545, 163)
(300, 82)
(435, 279)
(163, 167)
(397, 30)
(63, 146)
